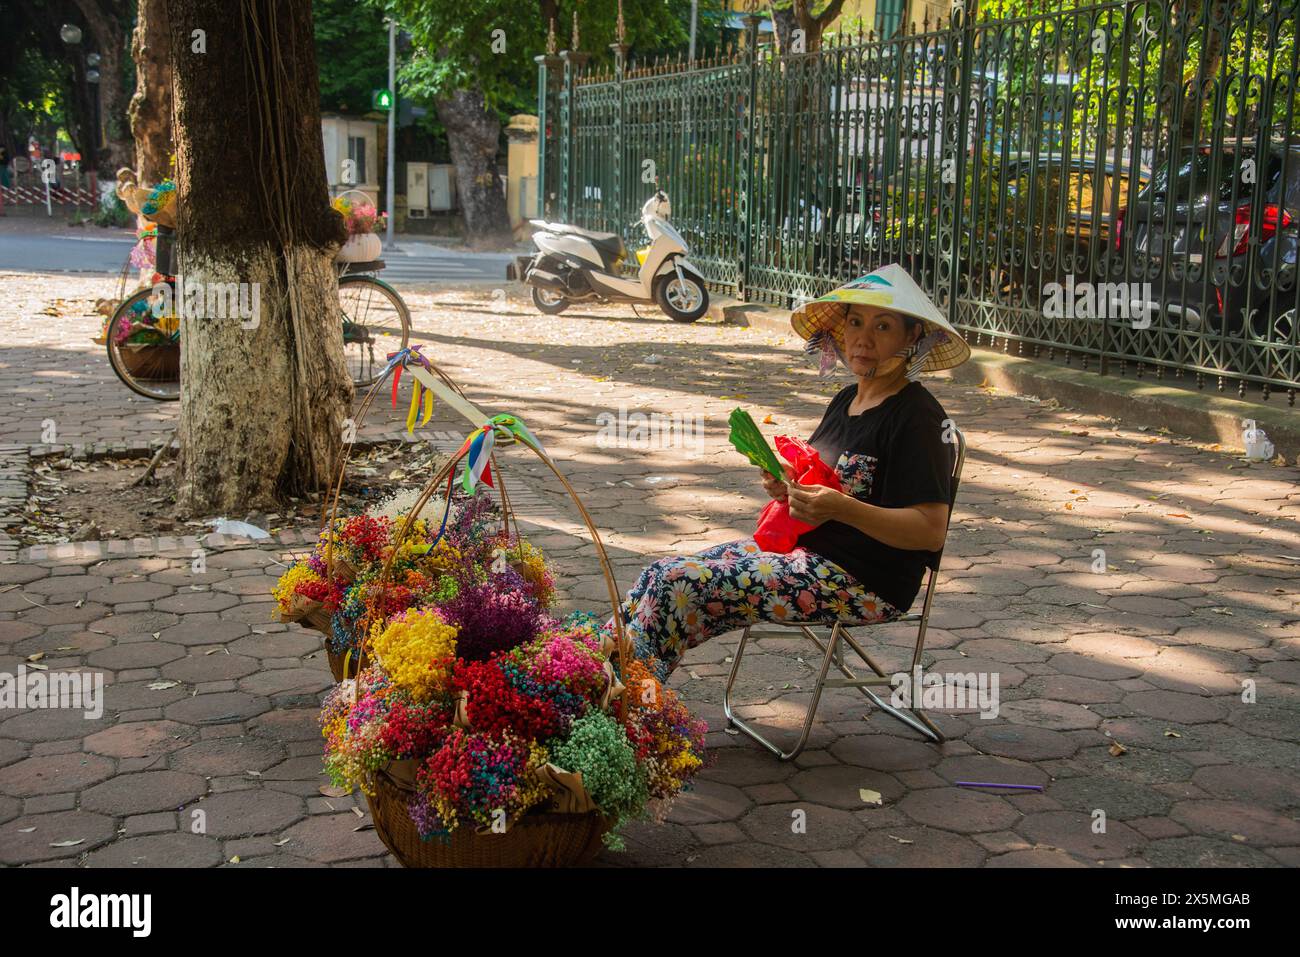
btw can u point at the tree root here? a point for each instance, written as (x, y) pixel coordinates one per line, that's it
(147, 477)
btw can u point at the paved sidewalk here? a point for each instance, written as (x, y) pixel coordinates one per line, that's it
(211, 707)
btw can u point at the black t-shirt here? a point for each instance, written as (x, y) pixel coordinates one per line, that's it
(892, 456)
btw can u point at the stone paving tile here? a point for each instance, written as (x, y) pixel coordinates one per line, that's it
(1154, 653)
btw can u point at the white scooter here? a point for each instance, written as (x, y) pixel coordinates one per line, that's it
(578, 265)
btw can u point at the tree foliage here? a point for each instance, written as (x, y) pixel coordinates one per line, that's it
(352, 50)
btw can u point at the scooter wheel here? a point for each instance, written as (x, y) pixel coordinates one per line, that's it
(551, 303)
(682, 300)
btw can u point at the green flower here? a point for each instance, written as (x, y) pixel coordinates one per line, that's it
(598, 747)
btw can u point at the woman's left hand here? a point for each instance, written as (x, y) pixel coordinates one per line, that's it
(814, 504)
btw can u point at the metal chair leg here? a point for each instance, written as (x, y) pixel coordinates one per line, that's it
(810, 715)
(832, 652)
(913, 717)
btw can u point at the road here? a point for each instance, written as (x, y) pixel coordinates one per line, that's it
(411, 263)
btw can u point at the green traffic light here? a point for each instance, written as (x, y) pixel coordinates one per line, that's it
(382, 99)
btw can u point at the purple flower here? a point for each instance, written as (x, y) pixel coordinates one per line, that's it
(491, 620)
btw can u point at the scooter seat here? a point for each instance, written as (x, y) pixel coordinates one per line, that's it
(610, 243)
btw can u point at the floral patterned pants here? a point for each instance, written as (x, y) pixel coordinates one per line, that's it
(683, 600)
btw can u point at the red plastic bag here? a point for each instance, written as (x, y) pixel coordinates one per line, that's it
(777, 531)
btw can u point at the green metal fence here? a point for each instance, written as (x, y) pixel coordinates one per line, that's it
(1116, 183)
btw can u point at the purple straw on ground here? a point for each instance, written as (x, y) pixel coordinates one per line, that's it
(986, 784)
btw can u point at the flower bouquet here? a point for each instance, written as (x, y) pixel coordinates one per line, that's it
(155, 203)
(334, 591)
(363, 223)
(486, 731)
(476, 721)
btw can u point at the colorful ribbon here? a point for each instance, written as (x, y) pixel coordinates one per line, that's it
(420, 394)
(479, 444)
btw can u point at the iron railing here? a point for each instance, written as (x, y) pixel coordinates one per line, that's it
(1017, 163)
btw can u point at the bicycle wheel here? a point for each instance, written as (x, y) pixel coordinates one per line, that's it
(143, 349)
(375, 322)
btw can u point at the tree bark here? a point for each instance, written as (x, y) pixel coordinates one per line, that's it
(151, 105)
(105, 20)
(262, 408)
(474, 136)
(1202, 101)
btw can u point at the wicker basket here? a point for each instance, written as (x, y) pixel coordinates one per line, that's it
(337, 661)
(308, 613)
(534, 840)
(155, 363)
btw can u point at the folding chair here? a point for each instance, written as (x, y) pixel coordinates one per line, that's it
(832, 653)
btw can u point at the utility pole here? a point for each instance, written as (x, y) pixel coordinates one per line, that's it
(392, 131)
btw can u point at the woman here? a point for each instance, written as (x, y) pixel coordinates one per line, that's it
(889, 442)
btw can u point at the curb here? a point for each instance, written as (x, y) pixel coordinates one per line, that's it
(1203, 416)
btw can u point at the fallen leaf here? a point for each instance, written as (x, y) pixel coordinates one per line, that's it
(162, 685)
(901, 840)
(282, 843)
(1176, 515)
(330, 791)
(768, 420)
(358, 812)
(80, 840)
(26, 830)
(869, 797)
(1116, 749)
(36, 657)
(1172, 734)
(235, 859)
(256, 774)
(369, 825)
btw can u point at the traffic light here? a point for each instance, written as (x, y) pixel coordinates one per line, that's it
(381, 99)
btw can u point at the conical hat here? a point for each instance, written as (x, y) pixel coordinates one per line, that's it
(889, 287)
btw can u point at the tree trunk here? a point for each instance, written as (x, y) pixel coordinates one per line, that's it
(783, 24)
(1200, 104)
(474, 136)
(110, 35)
(262, 408)
(150, 111)
(151, 106)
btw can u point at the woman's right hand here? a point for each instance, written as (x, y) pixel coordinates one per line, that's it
(773, 486)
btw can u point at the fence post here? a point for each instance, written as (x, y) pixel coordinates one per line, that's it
(573, 61)
(963, 35)
(548, 72)
(747, 160)
(619, 49)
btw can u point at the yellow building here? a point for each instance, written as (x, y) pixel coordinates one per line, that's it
(883, 17)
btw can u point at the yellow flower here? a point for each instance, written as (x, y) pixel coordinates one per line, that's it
(289, 582)
(416, 649)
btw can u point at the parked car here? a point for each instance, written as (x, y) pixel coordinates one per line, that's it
(1017, 211)
(1207, 233)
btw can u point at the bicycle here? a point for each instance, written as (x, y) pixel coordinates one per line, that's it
(143, 337)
